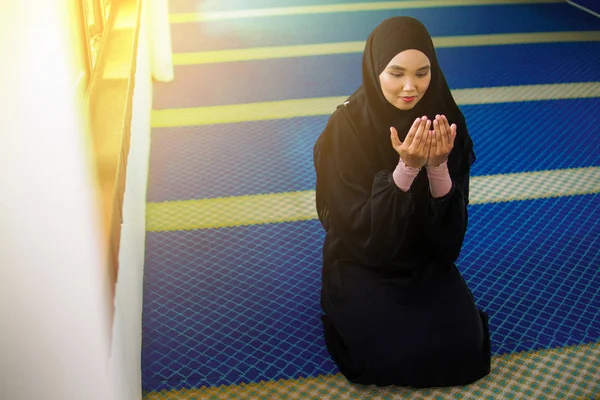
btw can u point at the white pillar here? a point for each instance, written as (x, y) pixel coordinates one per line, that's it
(127, 330)
(162, 59)
(54, 301)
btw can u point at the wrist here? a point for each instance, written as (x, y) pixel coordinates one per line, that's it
(441, 166)
(404, 175)
(440, 182)
(403, 164)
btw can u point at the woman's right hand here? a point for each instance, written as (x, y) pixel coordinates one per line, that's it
(414, 151)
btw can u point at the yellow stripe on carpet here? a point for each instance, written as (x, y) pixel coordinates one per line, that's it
(284, 109)
(264, 53)
(566, 372)
(300, 206)
(337, 8)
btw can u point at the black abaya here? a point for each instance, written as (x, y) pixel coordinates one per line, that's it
(396, 309)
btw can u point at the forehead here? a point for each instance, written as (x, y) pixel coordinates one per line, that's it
(410, 59)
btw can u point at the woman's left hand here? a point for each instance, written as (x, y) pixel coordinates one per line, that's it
(442, 142)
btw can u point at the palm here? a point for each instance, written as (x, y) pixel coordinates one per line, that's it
(443, 141)
(414, 151)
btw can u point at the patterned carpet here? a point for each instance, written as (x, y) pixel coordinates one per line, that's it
(546, 374)
(232, 274)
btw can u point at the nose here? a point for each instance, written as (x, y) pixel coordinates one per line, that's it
(409, 85)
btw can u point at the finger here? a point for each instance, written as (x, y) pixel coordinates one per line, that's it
(444, 140)
(448, 129)
(423, 146)
(411, 133)
(437, 130)
(418, 135)
(430, 138)
(437, 125)
(394, 136)
(452, 134)
(438, 139)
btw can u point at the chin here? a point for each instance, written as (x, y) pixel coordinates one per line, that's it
(401, 105)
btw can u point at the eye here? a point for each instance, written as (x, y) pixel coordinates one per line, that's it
(422, 74)
(395, 75)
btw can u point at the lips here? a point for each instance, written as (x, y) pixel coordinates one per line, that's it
(408, 99)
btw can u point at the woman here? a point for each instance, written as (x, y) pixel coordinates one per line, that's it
(392, 170)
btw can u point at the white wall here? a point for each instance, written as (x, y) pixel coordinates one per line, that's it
(56, 339)
(54, 301)
(126, 350)
(160, 35)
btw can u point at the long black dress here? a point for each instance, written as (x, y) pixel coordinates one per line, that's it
(396, 309)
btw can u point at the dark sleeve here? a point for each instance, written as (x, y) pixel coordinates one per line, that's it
(367, 211)
(448, 218)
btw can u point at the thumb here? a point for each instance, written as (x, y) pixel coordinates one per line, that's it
(394, 136)
(452, 133)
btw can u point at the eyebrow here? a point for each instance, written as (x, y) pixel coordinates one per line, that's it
(399, 68)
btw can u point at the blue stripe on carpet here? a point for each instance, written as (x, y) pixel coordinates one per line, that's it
(339, 75)
(276, 156)
(356, 26)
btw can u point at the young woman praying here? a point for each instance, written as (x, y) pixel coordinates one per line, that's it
(392, 167)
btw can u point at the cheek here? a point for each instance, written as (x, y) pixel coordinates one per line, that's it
(425, 84)
(389, 85)
(385, 84)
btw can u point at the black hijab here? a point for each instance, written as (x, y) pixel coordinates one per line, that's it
(370, 114)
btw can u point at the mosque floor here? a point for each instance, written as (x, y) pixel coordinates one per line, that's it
(232, 272)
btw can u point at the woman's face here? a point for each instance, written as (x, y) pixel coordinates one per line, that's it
(406, 78)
